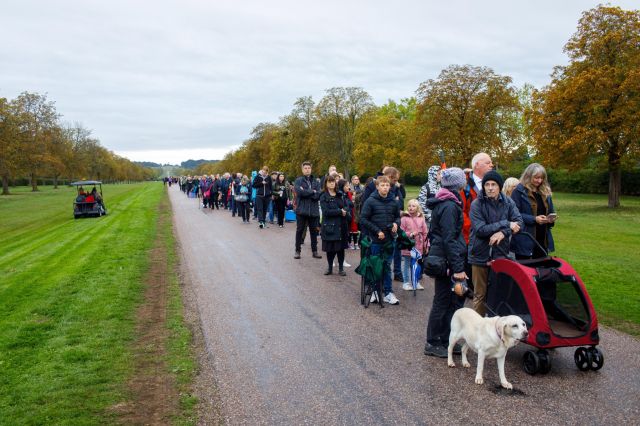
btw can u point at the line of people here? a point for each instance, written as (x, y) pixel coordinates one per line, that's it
(468, 217)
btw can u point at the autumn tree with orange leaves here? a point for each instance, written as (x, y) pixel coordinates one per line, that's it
(592, 106)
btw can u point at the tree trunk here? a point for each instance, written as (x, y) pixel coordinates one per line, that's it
(55, 182)
(34, 183)
(5, 185)
(615, 185)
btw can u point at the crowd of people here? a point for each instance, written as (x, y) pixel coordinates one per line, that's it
(466, 217)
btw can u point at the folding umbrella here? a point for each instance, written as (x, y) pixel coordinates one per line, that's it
(416, 268)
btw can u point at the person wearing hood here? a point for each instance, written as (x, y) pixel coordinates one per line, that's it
(494, 218)
(429, 190)
(380, 220)
(447, 241)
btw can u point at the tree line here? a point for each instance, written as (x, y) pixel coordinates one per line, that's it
(34, 143)
(587, 117)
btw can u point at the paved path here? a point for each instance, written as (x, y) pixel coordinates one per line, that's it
(291, 346)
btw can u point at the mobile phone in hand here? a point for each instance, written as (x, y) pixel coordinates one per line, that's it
(551, 217)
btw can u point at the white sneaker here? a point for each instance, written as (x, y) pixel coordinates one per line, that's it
(419, 287)
(407, 286)
(374, 297)
(345, 264)
(391, 299)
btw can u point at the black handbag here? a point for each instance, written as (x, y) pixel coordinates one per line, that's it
(435, 266)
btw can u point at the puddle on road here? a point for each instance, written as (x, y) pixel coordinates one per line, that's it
(499, 390)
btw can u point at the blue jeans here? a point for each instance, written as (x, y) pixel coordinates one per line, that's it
(406, 269)
(386, 281)
(270, 211)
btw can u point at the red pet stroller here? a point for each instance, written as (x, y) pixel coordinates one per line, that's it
(550, 297)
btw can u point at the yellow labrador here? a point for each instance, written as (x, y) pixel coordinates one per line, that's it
(488, 337)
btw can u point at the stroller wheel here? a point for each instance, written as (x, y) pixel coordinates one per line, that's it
(531, 362)
(597, 358)
(545, 361)
(583, 359)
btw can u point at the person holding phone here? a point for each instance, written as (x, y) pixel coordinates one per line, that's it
(532, 196)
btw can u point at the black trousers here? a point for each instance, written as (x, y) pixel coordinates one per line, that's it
(280, 204)
(302, 222)
(214, 200)
(445, 303)
(262, 205)
(243, 210)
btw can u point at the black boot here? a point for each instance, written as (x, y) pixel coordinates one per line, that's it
(341, 272)
(329, 271)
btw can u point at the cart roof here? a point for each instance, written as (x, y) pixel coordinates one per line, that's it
(86, 182)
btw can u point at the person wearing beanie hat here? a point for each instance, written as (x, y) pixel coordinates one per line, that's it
(494, 218)
(453, 179)
(494, 176)
(447, 241)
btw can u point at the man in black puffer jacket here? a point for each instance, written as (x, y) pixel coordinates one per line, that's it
(380, 220)
(307, 190)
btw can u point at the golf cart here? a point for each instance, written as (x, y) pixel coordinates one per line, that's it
(88, 203)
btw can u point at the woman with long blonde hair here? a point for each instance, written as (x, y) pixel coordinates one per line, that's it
(533, 199)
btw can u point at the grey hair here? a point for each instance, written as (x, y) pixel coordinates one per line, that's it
(477, 157)
(532, 170)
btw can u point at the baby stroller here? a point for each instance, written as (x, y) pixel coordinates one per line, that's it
(548, 294)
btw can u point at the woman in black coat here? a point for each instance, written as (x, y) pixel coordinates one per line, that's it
(447, 241)
(335, 215)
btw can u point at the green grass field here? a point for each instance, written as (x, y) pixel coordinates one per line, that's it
(68, 293)
(603, 246)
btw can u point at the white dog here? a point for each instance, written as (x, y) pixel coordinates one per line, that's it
(488, 337)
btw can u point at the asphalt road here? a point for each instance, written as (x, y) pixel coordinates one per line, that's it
(289, 345)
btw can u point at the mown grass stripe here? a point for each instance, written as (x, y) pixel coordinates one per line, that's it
(66, 313)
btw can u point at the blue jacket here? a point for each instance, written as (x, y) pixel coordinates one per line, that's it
(520, 243)
(488, 217)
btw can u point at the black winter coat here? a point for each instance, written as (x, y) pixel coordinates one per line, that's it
(488, 217)
(334, 225)
(262, 185)
(379, 214)
(394, 192)
(445, 232)
(307, 195)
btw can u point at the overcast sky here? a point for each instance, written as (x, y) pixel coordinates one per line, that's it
(166, 81)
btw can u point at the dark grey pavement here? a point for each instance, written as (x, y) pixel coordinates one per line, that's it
(292, 346)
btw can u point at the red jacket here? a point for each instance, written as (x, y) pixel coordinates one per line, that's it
(467, 194)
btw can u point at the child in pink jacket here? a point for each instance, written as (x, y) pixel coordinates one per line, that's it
(414, 224)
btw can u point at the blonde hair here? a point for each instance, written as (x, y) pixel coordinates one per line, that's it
(535, 169)
(417, 204)
(509, 185)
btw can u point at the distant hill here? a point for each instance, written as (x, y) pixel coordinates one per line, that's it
(192, 164)
(148, 164)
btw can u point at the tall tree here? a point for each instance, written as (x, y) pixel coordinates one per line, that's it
(37, 117)
(10, 144)
(339, 112)
(592, 106)
(466, 110)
